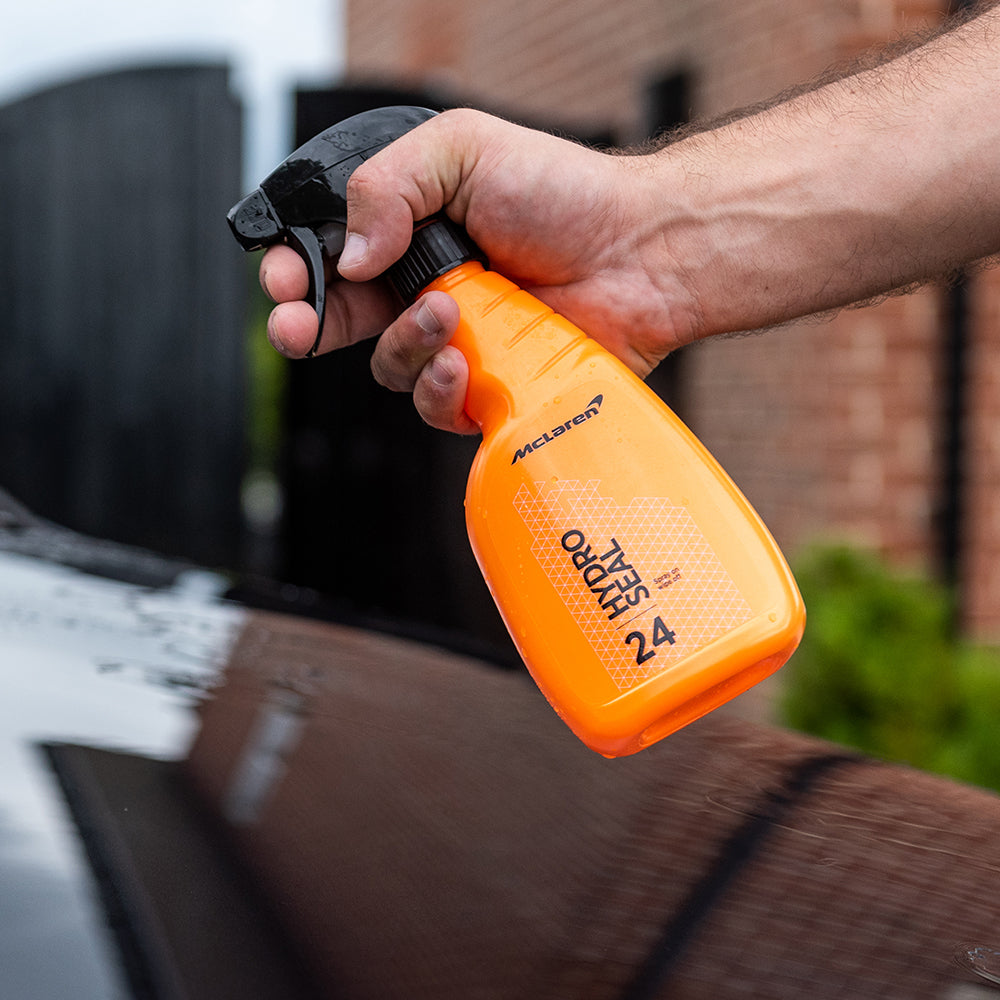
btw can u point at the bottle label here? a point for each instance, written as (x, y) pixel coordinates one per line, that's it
(641, 581)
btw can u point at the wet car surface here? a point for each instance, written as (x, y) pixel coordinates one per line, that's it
(114, 882)
(200, 799)
(91, 661)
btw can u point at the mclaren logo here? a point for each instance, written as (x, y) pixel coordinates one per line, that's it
(592, 410)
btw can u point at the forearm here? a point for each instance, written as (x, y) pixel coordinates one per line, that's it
(868, 184)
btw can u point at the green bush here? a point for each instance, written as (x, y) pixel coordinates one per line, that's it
(880, 669)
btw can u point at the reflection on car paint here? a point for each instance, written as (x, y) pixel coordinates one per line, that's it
(105, 663)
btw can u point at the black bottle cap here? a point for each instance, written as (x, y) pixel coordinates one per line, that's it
(438, 246)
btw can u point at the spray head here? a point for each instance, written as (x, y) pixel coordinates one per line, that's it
(303, 203)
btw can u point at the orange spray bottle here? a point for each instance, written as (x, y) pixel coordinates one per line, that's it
(638, 584)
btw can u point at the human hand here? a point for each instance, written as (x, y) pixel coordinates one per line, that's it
(571, 225)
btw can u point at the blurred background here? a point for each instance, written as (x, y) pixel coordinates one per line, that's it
(139, 401)
(146, 727)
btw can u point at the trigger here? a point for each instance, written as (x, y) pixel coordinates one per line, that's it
(331, 237)
(306, 243)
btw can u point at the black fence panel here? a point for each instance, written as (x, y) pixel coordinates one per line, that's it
(122, 369)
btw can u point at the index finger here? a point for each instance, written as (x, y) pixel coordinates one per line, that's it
(283, 274)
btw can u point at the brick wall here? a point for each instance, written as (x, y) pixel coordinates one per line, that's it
(588, 61)
(833, 429)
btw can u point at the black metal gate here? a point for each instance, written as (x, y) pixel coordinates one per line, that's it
(121, 359)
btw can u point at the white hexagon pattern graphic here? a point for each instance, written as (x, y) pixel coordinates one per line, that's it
(641, 581)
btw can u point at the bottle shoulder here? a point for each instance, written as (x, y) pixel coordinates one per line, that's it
(528, 363)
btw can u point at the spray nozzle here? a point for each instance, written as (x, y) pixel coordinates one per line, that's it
(303, 202)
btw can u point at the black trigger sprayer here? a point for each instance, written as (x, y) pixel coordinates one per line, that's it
(638, 584)
(303, 203)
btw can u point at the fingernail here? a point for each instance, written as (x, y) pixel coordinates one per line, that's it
(440, 372)
(354, 252)
(428, 322)
(263, 282)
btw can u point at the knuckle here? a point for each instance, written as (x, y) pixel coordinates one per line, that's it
(391, 369)
(363, 187)
(460, 119)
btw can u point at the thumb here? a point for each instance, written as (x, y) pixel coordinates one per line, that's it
(413, 177)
